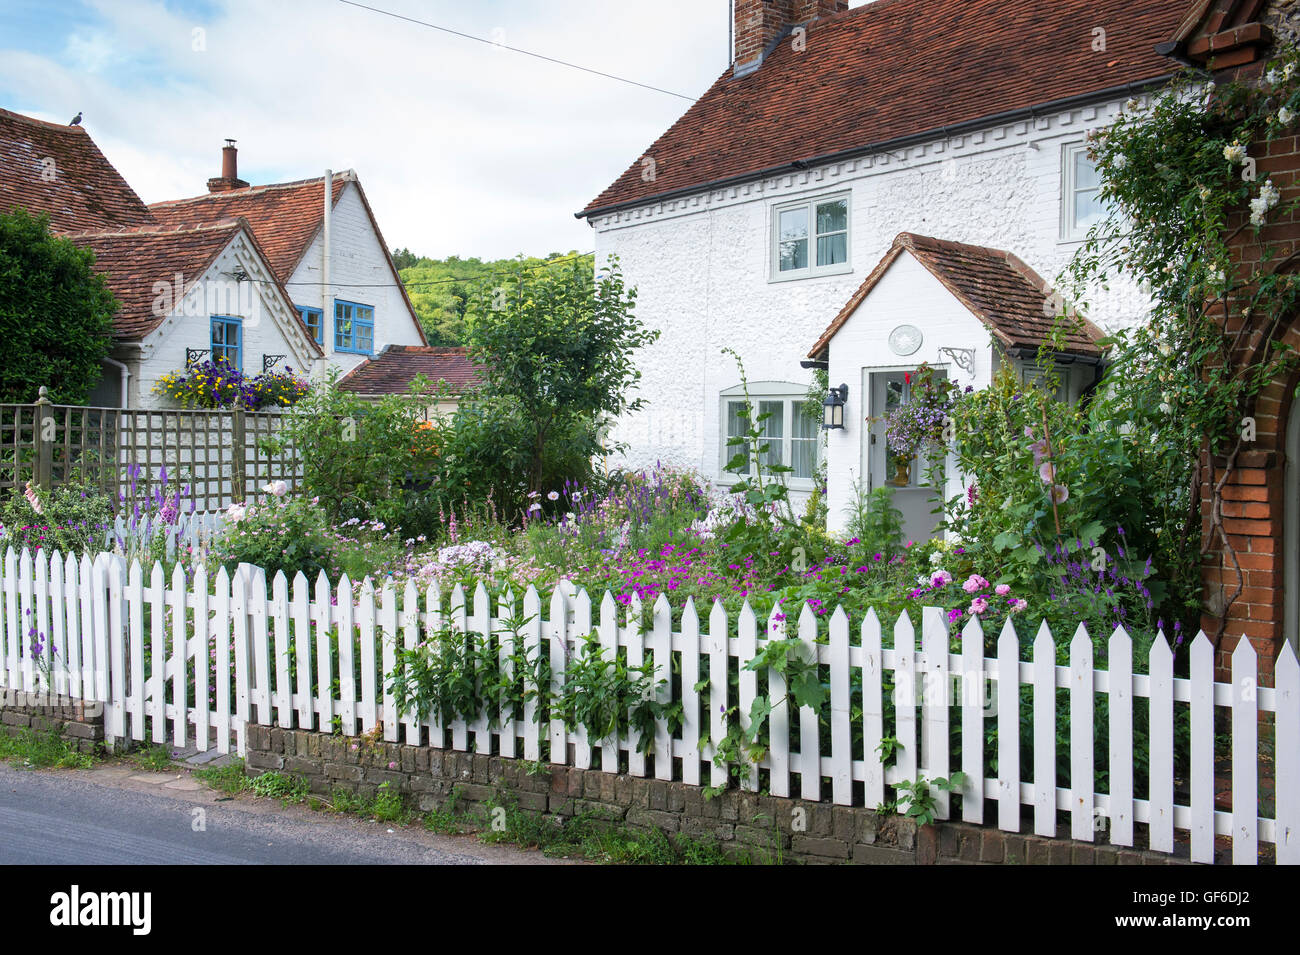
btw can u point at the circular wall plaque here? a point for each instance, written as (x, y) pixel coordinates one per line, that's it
(905, 339)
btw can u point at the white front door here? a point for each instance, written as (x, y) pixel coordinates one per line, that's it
(886, 468)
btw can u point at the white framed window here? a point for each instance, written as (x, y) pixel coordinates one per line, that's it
(1081, 203)
(810, 237)
(791, 430)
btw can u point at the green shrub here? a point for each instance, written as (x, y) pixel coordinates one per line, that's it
(281, 534)
(56, 313)
(71, 519)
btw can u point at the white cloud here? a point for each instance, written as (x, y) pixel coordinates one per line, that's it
(463, 149)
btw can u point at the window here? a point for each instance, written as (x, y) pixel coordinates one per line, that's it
(791, 431)
(354, 328)
(227, 344)
(314, 319)
(810, 238)
(1081, 203)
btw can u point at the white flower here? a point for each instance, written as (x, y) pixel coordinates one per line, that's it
(278, 488)
(1130, 105)
(1121, 161)
(1205, 193)
(576, 496)
(1285, 116)
(1287, 71)
(1272, 77)
(535, 506)
(236, 512)
(1234, 153)
(553, 496)
(1268, 198)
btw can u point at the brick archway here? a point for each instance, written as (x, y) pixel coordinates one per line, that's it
(1258, 504)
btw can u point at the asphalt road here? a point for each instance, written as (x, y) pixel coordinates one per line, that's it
(121, 815)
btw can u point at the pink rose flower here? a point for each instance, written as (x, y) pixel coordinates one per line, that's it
(973, 583)
(1018, 604)
(1002, 589)
(978, 606)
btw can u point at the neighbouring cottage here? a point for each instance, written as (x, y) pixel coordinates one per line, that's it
(330, 256)
(261, 277)
(894, 184)
(392, 371)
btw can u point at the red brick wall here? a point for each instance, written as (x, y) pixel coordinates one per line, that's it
(1253, 496)
(759, 22)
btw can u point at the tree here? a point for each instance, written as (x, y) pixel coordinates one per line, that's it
(404, 259)
(559, 343)
(56, 313)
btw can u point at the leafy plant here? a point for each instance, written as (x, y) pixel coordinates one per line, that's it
(599, 694)
(56, 313)
(916, 798)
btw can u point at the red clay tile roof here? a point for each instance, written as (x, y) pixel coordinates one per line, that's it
(80, 190)
(284, 216)
(132, 260)
(393, 369)
(1004, 293)
(895, 69)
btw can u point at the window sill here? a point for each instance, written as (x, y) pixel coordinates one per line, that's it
(798, 485)
(353, 351)
(805, 276)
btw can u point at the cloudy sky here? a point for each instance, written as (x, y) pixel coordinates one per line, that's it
(463, 149)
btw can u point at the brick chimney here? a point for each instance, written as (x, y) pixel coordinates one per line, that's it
(229, 178)
(760, 22)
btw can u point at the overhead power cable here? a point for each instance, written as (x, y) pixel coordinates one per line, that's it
(514, 49)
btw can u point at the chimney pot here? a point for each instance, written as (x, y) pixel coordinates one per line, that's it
(229, 178)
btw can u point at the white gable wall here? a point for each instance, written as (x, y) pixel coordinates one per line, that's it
(701, 265)
(359, 272)
(905, 290)
(268, 326)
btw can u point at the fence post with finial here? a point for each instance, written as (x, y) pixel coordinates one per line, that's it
(43, 428)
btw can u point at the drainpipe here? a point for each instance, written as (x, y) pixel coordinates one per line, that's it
(125, 379)
(327, 292)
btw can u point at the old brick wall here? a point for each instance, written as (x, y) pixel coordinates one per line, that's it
(1253, 493)
(81, 723)
(768, 827)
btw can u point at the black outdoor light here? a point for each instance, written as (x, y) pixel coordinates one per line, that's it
(833, 408)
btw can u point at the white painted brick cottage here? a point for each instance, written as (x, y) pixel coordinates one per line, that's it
(870, 189)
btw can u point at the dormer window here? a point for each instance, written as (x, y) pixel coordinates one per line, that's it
(810, 237)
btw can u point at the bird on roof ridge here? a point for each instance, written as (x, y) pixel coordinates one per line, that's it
(76, 120)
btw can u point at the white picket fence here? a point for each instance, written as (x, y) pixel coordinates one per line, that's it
(268, 659)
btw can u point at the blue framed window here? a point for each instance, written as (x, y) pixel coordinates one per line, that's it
(354, 328)
(228, 341)
(314, 319)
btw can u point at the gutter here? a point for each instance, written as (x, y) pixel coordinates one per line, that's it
(1026, 112)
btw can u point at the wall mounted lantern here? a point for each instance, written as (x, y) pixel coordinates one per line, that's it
(833, 408)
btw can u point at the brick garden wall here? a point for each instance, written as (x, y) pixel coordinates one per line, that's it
(80, 723)
(761, 825)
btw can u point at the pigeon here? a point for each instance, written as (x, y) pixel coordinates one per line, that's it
(76, 120)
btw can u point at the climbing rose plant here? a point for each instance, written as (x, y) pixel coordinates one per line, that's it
(1179, 174)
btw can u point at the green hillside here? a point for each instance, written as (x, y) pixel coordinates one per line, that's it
(439, 288)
